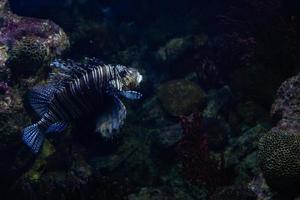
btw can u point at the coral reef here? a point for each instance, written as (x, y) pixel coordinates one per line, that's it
(28, 41)
(26, 45)
(211, 70)
(279, 150)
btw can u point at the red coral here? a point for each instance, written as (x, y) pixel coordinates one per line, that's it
(198, 166)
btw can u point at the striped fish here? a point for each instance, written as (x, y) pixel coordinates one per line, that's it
(76, 90)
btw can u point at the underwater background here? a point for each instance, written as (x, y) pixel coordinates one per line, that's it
(220, 114)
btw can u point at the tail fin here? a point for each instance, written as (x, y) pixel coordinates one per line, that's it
(33, 137)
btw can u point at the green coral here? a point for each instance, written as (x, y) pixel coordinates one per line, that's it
(27, 55)
(34, 174)
(181, 97)
(279, 158)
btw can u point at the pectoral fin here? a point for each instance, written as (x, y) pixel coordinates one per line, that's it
(130, 94)
(110, 121)
(115, 89)
(57, 127)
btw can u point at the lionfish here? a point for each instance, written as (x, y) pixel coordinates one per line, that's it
(76, 90)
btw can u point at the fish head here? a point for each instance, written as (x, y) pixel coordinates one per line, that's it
(129, 77)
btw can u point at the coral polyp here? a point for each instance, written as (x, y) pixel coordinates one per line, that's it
(27, 55)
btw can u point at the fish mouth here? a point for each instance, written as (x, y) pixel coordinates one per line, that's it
(139, 78)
